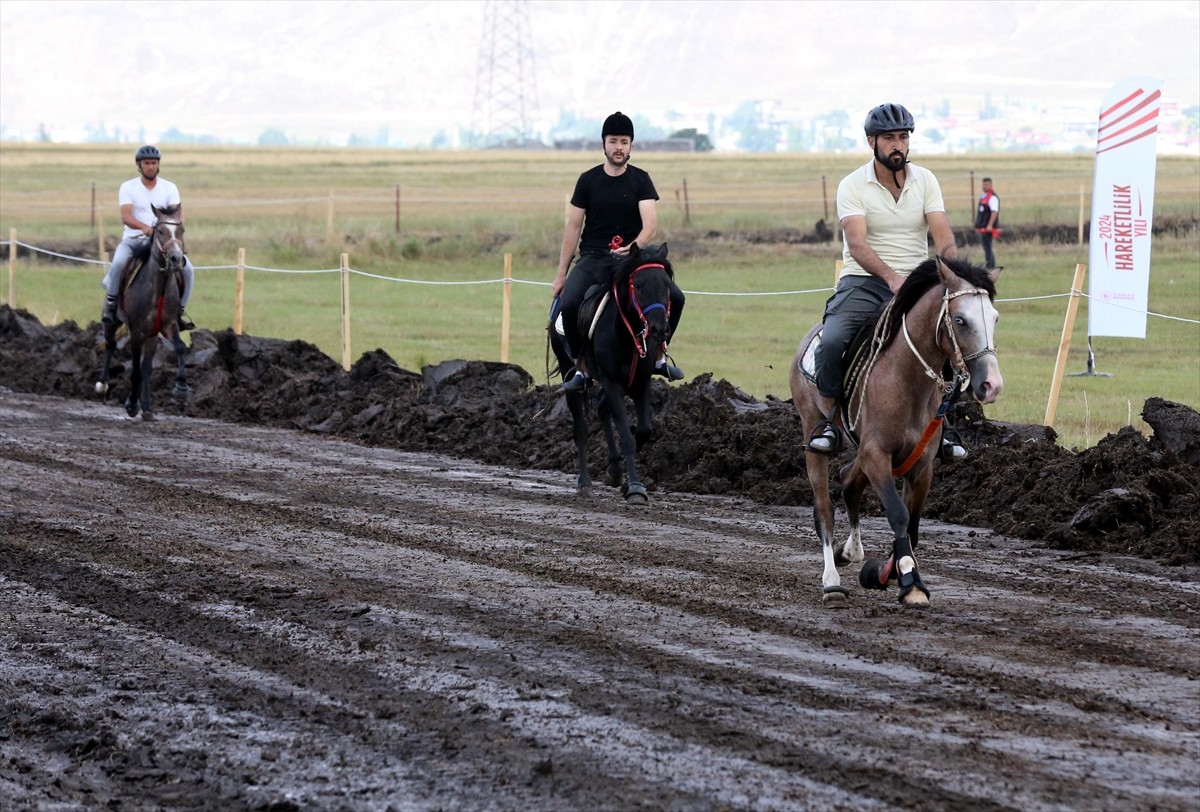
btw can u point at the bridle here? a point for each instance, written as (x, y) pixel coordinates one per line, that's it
(962, 375)
(950, 389)
(640, 336)
(163, 248)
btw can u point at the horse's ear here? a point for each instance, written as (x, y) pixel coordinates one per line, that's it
(994, 273)
(948, 276)
(664, 250)
(635, 250)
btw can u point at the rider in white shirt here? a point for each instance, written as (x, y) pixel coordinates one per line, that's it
(136, 197)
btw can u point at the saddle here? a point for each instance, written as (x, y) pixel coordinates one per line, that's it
(594, 303)
(852, 359)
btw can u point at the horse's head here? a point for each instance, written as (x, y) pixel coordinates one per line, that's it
(969, 320)
(168, 238)
(643, 284)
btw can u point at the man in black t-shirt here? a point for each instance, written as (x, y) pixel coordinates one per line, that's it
(612, 208)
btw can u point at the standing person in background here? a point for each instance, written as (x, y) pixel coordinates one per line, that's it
(612, 208)
(136, 198)
(888, 209)
(987, 221)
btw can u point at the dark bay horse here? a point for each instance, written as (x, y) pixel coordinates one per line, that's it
(944, 313)
(626, 336)
(149, 306)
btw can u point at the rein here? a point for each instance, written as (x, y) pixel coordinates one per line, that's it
(639, 336)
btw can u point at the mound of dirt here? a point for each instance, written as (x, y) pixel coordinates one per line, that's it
(1129, 494)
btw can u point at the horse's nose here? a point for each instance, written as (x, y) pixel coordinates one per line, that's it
(989, 389)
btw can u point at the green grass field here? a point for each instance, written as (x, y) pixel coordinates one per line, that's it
(460, 213)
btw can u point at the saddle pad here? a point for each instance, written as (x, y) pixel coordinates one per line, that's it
(808, 361)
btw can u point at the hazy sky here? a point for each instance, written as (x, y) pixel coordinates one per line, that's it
(324, 69)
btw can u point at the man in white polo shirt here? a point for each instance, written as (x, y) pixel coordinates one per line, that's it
(136, 197)
(888, 208)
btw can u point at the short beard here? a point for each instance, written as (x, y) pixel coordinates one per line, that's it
(892, 164)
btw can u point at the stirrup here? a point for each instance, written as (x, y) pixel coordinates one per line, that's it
(109, 314)
(184, 322)
(577, 382)
(825, 439)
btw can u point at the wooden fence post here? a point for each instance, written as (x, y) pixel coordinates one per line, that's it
(100, 250)
(346, 312)
(1081, 214)
(687, 205)
(504, 312)
(329, 222)
(239, 292)
(1064, 344)
(397, 208)
(12, 268)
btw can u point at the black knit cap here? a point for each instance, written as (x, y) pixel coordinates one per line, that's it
(617, 124)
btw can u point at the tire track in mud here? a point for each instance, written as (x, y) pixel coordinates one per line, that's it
(687, 636)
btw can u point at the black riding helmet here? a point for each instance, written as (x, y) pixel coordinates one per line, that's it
(617, 124)
(888, 118)
(147, 153)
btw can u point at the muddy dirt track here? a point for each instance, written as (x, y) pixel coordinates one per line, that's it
(204, 613)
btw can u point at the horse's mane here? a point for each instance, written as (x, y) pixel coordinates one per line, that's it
(924, 277)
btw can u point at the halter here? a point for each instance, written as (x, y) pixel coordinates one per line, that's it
(639, 336)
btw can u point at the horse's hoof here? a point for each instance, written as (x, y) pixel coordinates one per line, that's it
(584, 492)
(182, 391)
(871, 576)
(148, 417)
(915, 600)
(636, 495)
(131, 408)
(835, 597)
(101, 388)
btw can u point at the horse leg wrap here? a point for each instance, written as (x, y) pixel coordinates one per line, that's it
(909, 581)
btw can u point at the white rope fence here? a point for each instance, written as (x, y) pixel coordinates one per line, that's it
(540, 283)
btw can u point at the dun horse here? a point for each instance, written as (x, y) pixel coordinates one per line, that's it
(628, 324)
(149, 306)
(895, 411)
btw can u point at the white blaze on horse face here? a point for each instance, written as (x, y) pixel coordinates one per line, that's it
(986, 380)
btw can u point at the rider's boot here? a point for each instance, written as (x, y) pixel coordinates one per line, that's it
(577, 381)
(109, 314)
(952, 446)
(825, 438)
(184, 322)
(665, 366)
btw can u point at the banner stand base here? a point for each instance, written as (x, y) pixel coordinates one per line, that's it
(1091, 366)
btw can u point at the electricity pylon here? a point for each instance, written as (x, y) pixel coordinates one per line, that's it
(505, 85)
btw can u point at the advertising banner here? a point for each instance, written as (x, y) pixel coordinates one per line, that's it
(1123, 209)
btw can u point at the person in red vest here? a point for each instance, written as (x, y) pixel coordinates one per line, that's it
(987, 221)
